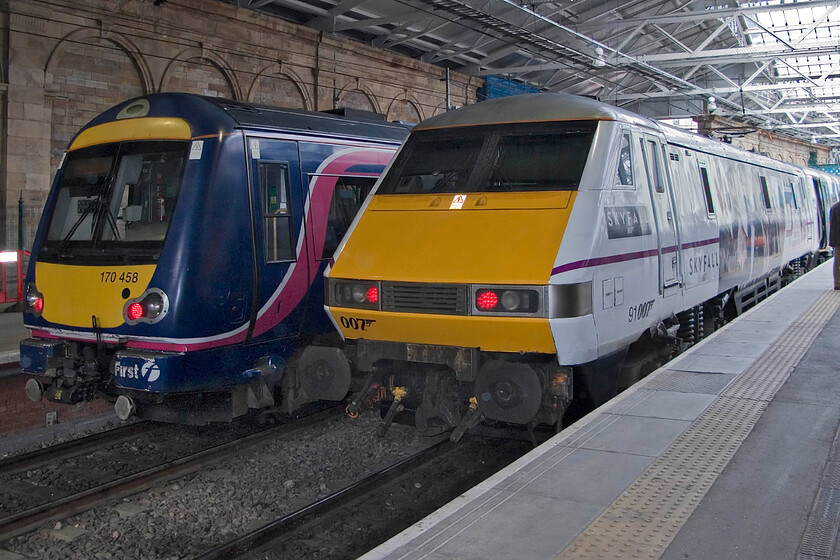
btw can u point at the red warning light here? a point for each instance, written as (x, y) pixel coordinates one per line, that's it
(134, 311)
(486, 300)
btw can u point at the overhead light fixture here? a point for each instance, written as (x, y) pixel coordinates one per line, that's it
(711, 104)
(599, 61)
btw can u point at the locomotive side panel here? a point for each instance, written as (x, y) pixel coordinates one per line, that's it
(611, 245)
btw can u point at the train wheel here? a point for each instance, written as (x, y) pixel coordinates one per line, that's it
(324, 373)
(508, 391)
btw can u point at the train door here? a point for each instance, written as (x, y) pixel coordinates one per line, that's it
(279, 206)
(804, 198)
(663, 210)
(821, 210)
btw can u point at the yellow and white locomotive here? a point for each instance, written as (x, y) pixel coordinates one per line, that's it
(525, 258)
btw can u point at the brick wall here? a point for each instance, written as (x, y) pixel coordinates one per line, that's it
(18, 414)
(71, 59)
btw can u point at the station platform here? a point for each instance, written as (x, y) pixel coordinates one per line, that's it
(729, 451)
(23, 423)
(12, 332)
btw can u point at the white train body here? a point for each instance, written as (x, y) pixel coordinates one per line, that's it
(660, 237)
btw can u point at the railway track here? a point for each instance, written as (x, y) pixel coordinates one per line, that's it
(360, 516)
(66, 504)
(73, 448)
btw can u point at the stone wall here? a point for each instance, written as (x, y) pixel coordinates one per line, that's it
(67, 61)
(772, 144)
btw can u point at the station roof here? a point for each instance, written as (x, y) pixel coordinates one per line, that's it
(768, 63)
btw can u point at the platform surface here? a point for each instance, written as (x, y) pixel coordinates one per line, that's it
(728, 451)
(12, 332)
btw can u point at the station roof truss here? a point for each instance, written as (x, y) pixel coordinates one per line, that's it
(773, 64)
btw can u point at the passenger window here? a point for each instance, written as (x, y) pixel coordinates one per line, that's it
(277, 212)
(348, 196)
(707, 190)
(624, 176)
(765, 194)
(790, 197)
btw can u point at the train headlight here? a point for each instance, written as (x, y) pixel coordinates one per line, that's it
(508, 300)
(33, 299)
(512, 299)
(150, 307)
(353, 293)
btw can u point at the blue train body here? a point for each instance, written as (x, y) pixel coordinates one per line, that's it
(178, 265)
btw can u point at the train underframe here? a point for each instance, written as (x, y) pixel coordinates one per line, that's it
(72, 372)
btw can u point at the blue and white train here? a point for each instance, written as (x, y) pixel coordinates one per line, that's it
(178, 265)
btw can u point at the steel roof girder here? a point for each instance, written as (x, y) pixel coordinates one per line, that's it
(703, 15)
(742, 54)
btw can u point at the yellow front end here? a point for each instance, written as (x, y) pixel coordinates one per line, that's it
(74, 294)
(454, 240)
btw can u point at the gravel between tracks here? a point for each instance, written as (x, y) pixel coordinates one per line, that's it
(194, 513)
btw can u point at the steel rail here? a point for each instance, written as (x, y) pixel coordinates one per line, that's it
(72, 448)
(30, 519)
(278, 528)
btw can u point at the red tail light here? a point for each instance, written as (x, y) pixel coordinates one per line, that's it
(363, 294)
(134, 311)
(33, 299)
(486, 300)
(151, 307)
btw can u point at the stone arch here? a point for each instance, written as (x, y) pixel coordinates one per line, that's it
(439, 108)
(403, 108)
(87, 72)
(275, 83)
(192, 70)
(88, 35)
(357, 96)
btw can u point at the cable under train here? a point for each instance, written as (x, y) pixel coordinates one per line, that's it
(177, 269)
(525, 258)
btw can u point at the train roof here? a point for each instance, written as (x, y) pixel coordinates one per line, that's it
(336, 121)
(534, 107)
(548, 107)
(214, 115)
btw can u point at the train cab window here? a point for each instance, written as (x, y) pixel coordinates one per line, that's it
(115, 200)
(348, 196)
(765, 194)
(624, 175)
(277, 211)
(444, 167)
(492, 158)
(707, 190)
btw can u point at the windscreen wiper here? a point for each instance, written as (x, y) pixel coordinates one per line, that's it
(96, 206)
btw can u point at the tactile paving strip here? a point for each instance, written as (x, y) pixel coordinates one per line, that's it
(821, 529)
(643, 521)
